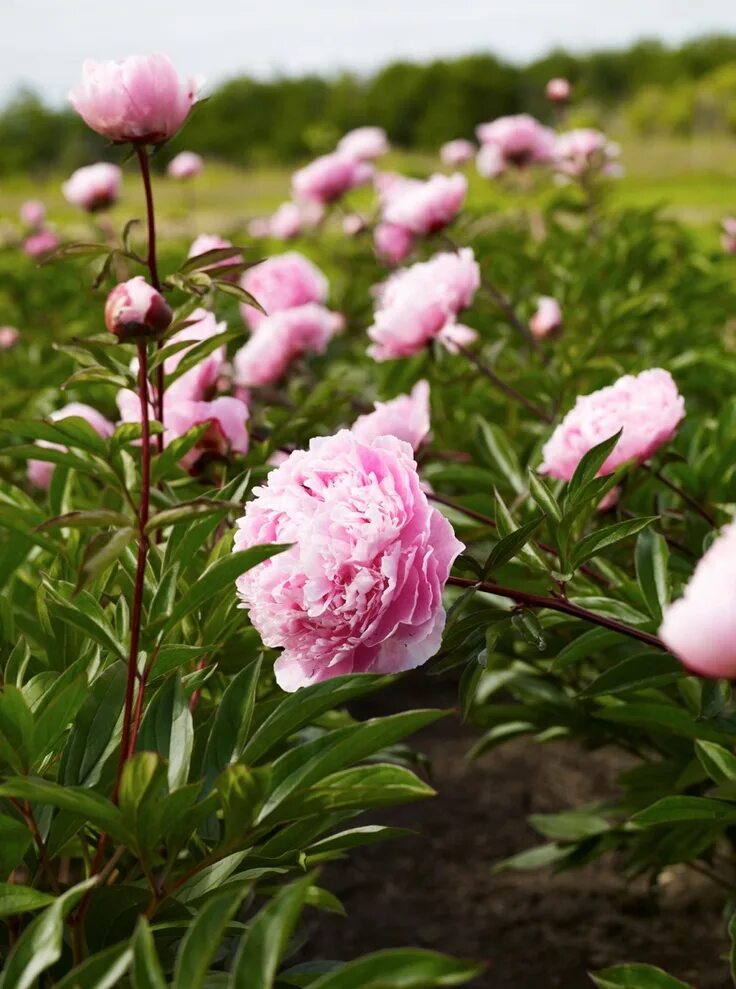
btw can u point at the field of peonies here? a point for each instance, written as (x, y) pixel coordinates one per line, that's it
(249, 477)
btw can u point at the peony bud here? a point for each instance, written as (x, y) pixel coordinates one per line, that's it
(558, 91)
(93, 188)
(136, 311)
(33, 213)
(186, 165)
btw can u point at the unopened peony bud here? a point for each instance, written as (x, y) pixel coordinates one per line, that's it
(186, 165)
(136, 311)
(93, 188)
(558, 91)
(33, 213)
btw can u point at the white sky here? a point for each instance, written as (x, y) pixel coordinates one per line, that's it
(43, 42)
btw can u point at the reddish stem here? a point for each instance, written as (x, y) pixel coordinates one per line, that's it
(502, 385)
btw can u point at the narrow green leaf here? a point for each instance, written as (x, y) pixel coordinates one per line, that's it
(609, 535)
(400, 968)
(652, 555)
(590, 464)
(146, 970)
(636, 977)
(203, 937)
(21, 899)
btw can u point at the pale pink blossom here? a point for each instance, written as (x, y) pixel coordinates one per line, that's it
(427, 207)
(419, 304)
(135, 310)
(8, 337)
(185, 165)
(490, 161)
(282, 282)
(393, 243)
(32, 213)
(364, 143)
(281, 338)
(201, 381)
(212, 242)
(456, 153)
(700, 627)
(547, 318)
(40, 472)
(139, 99)
(328, 178)
(353, 224)
(360, 588)
(405, 417)
(259, 226)
(227, 432)
(518, 141)
(647, 407)
(94, 187)
(286, 222)
(578, 152)
(41, 243)
(558, 90)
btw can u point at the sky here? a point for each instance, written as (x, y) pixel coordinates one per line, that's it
(44, 42)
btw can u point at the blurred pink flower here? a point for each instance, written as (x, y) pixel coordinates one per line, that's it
(458, 152)
(286, 222)
(282, 282)
(353, 224)
(427, 207)
(139, 99)
(364, 143)
(728, 237)
(212, 242)
(584, 150)
(185, 165)
(281, 338)
(328, 178)
(200, 381)
(392, 242)
(360, 588)
(41, 243)
(700, 627)
(8, 337)
(547, 318)
(558, 90)
(33, 213)
(135, 310)
(516, 141)
(94, 187)
(40, 472)
(227, 432)
(647, 407)
(405, 417)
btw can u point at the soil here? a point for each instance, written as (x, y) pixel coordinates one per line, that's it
(534, 930)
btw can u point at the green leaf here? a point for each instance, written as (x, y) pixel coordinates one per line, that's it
(188, 510)
(500, 453)
(80, 520)
(141, 783)
(105, 970)
(16, 729)
(219, 575)
(570, 825)
(590, 464)
(399, 968)
(510, 546)
(718, 762)
(40, 945)
(85, 614)
(544, 498)
(676, 809)
(645, 669)
(609, 535)
(264, 943)
(636, 977)
(231, 723)
(21, 899)
(102, 552)
(146, 971)
(242, 791)
(168, 730)
(97, 809)
(15, 839)
(203, 937)
(96, 729)
(539, 857)
(652, 555)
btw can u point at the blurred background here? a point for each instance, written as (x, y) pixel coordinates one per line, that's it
(286, 79)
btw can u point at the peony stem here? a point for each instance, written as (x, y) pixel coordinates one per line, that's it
(503, 386)
(561, 605)
(688, 499)
(144, 163)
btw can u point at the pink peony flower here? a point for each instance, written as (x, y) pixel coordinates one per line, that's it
(135, 310)
(139, 99)
(405, 417)
(547, 318)
(280, 339)
(8, 337)
(393, 243)
(212, 242)
(558, 91)
(286, 222)
(517, 141)
(353, 224)
(200, 381)
(94, 187)
(32, 213)
(728, 237)
(490, 161)
(700, 627)
(584, 150)
(39, 244)
(282, 282)
(185, 165)
(647, 407)
(364, 143)
(360, 589)
(328, 178)
(40, 472)
(456, 153)
(429, 206)
(421, 303)
(227, 432)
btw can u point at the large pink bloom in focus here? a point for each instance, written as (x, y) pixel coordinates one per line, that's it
(364, 143)
(280, 339)
(647, 407)
(328, 178)
(40, 472)
(405, 417)
(94, 187)
(360, 588)
(700, 627)
(429, 206)
(185, 165)
(421, 303)
(282, 282)
(140, 99)
(516, 141)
